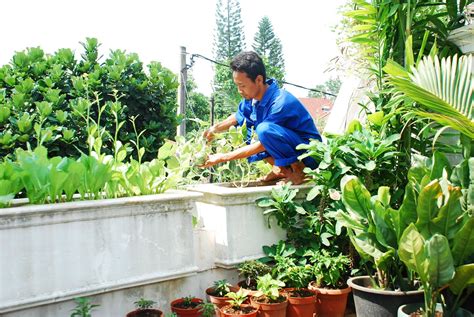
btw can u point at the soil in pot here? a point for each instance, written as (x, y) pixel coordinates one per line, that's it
(301, 302)
(145, 313)
(244, 310)
(182, 309)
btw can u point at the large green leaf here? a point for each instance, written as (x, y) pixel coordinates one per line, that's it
(412, 252)
(427, 207)
(440, 261)
(444, 89)
(356, 197)
(463, 244)
(446, 222)
(464, 277)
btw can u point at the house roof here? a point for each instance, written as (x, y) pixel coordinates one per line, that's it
(317, 107)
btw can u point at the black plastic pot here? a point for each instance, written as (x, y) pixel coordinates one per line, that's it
(370, 302)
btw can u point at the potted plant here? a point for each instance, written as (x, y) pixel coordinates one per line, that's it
(188, 306)
(218, 294)
(330, 272)
(250, 271)
(301, 300)
(236, 306)
(436, 245)
(268, 300)
(375, 230)
(144, 308)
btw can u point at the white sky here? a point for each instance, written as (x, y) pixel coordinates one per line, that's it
(156, 30)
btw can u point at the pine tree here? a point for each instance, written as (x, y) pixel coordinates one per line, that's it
(269, 47)
(229, 40)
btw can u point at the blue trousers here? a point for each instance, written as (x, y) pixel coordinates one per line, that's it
(280, 143)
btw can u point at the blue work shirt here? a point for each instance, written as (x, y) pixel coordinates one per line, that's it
(280, 107)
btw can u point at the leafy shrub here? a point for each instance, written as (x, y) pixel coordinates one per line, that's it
(44, 98)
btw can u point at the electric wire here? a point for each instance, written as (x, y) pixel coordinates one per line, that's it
(192, 61)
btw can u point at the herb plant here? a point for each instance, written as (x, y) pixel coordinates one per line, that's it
(221, 288)
(143, 303)
(269, 287)
(83, 307)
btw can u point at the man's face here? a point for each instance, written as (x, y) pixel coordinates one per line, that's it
(247, 88)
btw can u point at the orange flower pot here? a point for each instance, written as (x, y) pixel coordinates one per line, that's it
(300, 306)
(270, 309)
(330, 302)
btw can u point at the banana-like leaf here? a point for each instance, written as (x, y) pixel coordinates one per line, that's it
(440, 261)
(463, 245)
(412, 251)
(464, 277)
(444, 89)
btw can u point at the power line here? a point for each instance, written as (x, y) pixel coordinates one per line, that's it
(192, 61)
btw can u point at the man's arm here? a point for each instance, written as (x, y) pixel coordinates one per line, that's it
(219, 127)
(240, 153)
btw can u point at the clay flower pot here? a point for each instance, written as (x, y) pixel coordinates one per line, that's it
(178, 307)
(301, 302)
(330, 302)
(269, 309)
(217, 300)
(145, 313)
(245, 311)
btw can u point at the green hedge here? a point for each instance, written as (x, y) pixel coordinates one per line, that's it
(44, 99)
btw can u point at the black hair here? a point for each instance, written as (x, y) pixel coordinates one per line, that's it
(249, 63)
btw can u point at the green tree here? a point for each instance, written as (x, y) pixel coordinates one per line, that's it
(229, 40)
(269, 47)
(332, 86)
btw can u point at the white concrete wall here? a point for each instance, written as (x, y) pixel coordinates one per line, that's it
(61, 251)
(239, 227)
(118, 250)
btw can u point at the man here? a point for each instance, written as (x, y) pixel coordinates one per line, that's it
(280, 121)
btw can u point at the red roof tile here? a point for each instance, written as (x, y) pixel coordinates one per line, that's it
(317, 107)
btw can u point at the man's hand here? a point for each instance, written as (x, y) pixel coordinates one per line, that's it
(214, 159)
(209, 133)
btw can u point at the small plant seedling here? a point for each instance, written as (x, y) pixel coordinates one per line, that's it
(143, 303)
(237, 299)
(83, 307)
(221, 288)
(207, 309)
(188, 301)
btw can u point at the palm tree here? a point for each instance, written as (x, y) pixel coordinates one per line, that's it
(443, 90)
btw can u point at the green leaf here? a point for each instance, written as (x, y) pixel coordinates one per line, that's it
(440, 263)
(376, 118)
(427, 207)
(463, 244)
(356, 197)
(411, 251)
(463, 278)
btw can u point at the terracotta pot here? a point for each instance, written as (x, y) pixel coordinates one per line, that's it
(145, 313)
(270, 310)
(251, 314)
(219, 301)
(300, 306)
(330, 302)
(186, 312)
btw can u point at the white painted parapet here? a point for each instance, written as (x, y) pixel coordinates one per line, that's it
(239, 226)
(51, 253)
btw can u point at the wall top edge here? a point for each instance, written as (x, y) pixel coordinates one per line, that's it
(20, 206)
